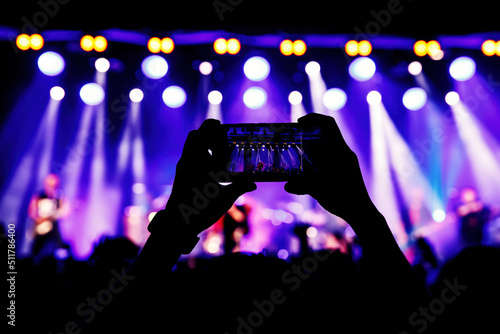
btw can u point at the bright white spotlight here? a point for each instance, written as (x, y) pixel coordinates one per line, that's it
(51, 63)
(438, 215)
(154, 67)
(256, 68)
(452, 98)
(92, 94)
(174, 96)
(415, 68)
(373, 98)
(102, 65)
(313, 68)
(57, 93)
(136, 95)
(462, 68)
(414, 98)
(295, 98)
(362, 69)
(255, 97)
(334, 99)
(205, 68)
(215, 97)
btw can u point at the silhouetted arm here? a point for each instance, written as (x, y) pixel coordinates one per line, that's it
(337, 185)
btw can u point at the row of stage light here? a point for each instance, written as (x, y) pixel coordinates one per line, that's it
(232, 46)
(256, 69)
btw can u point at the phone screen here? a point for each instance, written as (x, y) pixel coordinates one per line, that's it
(268, 151)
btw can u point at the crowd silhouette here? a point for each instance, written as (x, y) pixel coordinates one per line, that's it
(124, 289)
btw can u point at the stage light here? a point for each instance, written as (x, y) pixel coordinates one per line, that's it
(92, 94)
(488, 47)
(233, 46)
(36, 42)
(295, 98)
(87, 43)
(364, 48)
(462, 68)
(497, 48)
(452, 98)
(373, 98)
(433, 48)
(167, 45)
(334, 99)
(100, 44)
(438, 215)
(414, 98)
(415, 68)
(420, 48)
(299, 47)
(256, 68)
(174, 97)
(215, 97)
(220, 46)
(51, 63)
(102, 65)
(312, 68)
(57, 93)
(154, 45)
(136, 95)
(286, 47)
(23, 42)
(154, 67)
(362, 69)
(255, 97)
(205, 68)
(351, 48)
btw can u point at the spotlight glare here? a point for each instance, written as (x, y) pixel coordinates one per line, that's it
(433, 48)
(51, 63)
(174, 97)
(351, 48)
(167, 45)
(23, 42)
(362, 69)
(205, 68)
(286, 47)
(102, 65)
(255, 97)
(256, 68)
(299, 47)
(36, 42)
(100, 43)
(87, 43)
(438, 215)
(313, 68)
(452, 98)
(295, 98)
(154, 45)
(373, 98)
(462, 68)
(154, 67)
(488, 47)
(233, 46)
(92, 94)
(420, 48)
(215, 97)
(414, 98)
(365, 48)
(57, 93)
(415, 68)
(136, 95)
(334, 99)
(220, 46)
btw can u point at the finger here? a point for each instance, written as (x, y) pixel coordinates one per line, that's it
(328, 126)
(298, 186)
(233, 191)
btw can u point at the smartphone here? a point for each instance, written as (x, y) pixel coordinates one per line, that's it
(268, 152)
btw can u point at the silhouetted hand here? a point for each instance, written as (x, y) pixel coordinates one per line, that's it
(336, 183)
(198, 199)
